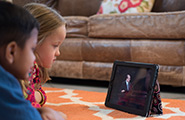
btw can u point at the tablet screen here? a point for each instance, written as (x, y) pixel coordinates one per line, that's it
(131, 87)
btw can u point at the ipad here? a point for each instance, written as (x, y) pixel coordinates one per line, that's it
(131, 87)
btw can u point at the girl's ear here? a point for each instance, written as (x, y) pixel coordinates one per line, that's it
(10, 52)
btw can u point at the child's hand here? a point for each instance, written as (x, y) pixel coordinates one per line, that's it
(50, 114)
(63, 115)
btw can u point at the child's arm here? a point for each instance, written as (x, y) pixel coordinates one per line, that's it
(50, 114)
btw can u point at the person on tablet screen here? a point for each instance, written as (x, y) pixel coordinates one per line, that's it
(125, 90)
(126, 85)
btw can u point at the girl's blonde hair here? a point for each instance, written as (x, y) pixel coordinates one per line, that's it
(49, 21)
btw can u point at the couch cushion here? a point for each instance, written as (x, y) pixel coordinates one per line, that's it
(76, 26)
(97, 70)
(163, 52)
(71, 49)
(125, 6)
(87, 49)
(144, 25)
(168, 5)
(106, 50)
(78, 7)
(68, 69)
(171, 75)
(168, 75)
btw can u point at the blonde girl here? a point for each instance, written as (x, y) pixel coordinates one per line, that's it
(51, 35)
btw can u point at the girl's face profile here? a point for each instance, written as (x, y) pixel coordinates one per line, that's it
(48, 50)
(25, 57)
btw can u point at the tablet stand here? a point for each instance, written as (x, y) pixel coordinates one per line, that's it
(156, 106)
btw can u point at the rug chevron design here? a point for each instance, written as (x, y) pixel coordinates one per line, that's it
(85, 105)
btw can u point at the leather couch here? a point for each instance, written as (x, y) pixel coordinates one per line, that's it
(94, 41)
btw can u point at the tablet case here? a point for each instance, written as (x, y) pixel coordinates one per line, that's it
(153, 103)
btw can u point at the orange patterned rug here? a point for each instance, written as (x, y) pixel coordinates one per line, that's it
(85, 105)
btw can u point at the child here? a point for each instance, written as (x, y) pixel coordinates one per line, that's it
(51, 35)
(18, 31)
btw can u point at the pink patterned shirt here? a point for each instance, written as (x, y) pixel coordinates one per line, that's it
(34, 81)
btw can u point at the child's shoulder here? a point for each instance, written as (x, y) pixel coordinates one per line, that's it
(12, 98)
(7, 79)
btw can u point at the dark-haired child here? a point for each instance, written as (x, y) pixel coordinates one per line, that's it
(18, 39)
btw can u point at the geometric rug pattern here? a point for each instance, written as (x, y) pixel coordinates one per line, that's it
(86, 105)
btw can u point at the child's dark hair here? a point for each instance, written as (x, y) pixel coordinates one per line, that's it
(16, 24)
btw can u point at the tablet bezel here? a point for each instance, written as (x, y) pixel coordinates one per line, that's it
(145, 112)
